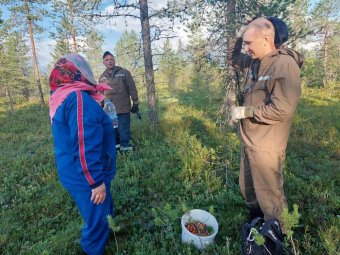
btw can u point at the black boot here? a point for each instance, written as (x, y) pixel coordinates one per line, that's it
(254, 213)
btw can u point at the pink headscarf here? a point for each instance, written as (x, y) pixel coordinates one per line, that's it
(72, 73)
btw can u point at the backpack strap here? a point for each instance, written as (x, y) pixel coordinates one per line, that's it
(272, 230)
(258, 221)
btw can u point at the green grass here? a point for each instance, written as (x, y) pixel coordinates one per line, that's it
(189, 163)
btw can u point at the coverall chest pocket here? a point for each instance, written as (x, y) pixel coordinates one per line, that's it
(260, 92)
(261, 85)
(268, 88)
(118, 84)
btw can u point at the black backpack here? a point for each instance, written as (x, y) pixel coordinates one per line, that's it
(272, 233)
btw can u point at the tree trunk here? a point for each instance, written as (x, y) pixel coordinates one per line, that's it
(73, 32)
(9, 95)
(25, 90)
(149, 75)
(325, 54)
(230, 97)
(34, 54)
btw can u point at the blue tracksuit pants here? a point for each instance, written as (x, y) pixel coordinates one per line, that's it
(95, 231)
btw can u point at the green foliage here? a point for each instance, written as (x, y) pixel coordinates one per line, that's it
(15, 70)
(325, 24)
(330, 236)
(189, 163)
(112, 224)
(311, 74)
(220, 23)
(170, 66)
(333, 65)
(298, 22)
(259, 239)
(290, 220)
(115, 228)
(63, 39)
(93, 52)
(165, 215)
(72, 27)
(19, 18)
(128, 51)
(129, 55)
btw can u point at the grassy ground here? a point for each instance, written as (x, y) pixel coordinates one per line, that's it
(189, 163)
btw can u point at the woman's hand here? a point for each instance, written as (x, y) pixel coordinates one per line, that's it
(99, 194)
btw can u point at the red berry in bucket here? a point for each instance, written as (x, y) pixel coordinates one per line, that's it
(198, 228)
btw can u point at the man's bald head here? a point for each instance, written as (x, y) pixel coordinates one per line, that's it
(262, 25)
(259, 38)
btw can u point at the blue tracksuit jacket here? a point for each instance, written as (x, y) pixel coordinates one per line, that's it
(84, 143)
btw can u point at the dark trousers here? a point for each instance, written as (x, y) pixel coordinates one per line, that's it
(123, 130)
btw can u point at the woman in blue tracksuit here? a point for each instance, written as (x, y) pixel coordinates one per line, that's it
(84, 145)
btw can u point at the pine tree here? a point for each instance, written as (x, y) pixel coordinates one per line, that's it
(27, 14)
(140, 10)
(326, 14)
(129, 55)
(63, 39)
(221, 19)
(93, 52)
(169, 66)
(14, 68)
(70, 17)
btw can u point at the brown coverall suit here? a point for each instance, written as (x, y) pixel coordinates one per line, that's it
(272, 87)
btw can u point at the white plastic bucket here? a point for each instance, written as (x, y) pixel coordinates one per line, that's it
(204, 217)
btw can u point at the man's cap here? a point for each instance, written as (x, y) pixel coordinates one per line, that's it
(107, 53)
(281, 31)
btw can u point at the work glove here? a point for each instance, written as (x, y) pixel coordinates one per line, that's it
(242, 112)
(134, 108)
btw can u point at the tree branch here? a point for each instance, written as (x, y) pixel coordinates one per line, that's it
(98, 15)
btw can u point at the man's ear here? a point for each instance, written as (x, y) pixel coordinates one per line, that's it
(266, 40)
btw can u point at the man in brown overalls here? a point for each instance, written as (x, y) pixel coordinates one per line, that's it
(122, 93)
(271, 93)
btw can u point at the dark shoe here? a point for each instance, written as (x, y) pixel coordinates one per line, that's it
(254, 213)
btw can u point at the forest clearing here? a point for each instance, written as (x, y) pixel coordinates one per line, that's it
(190, 162)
